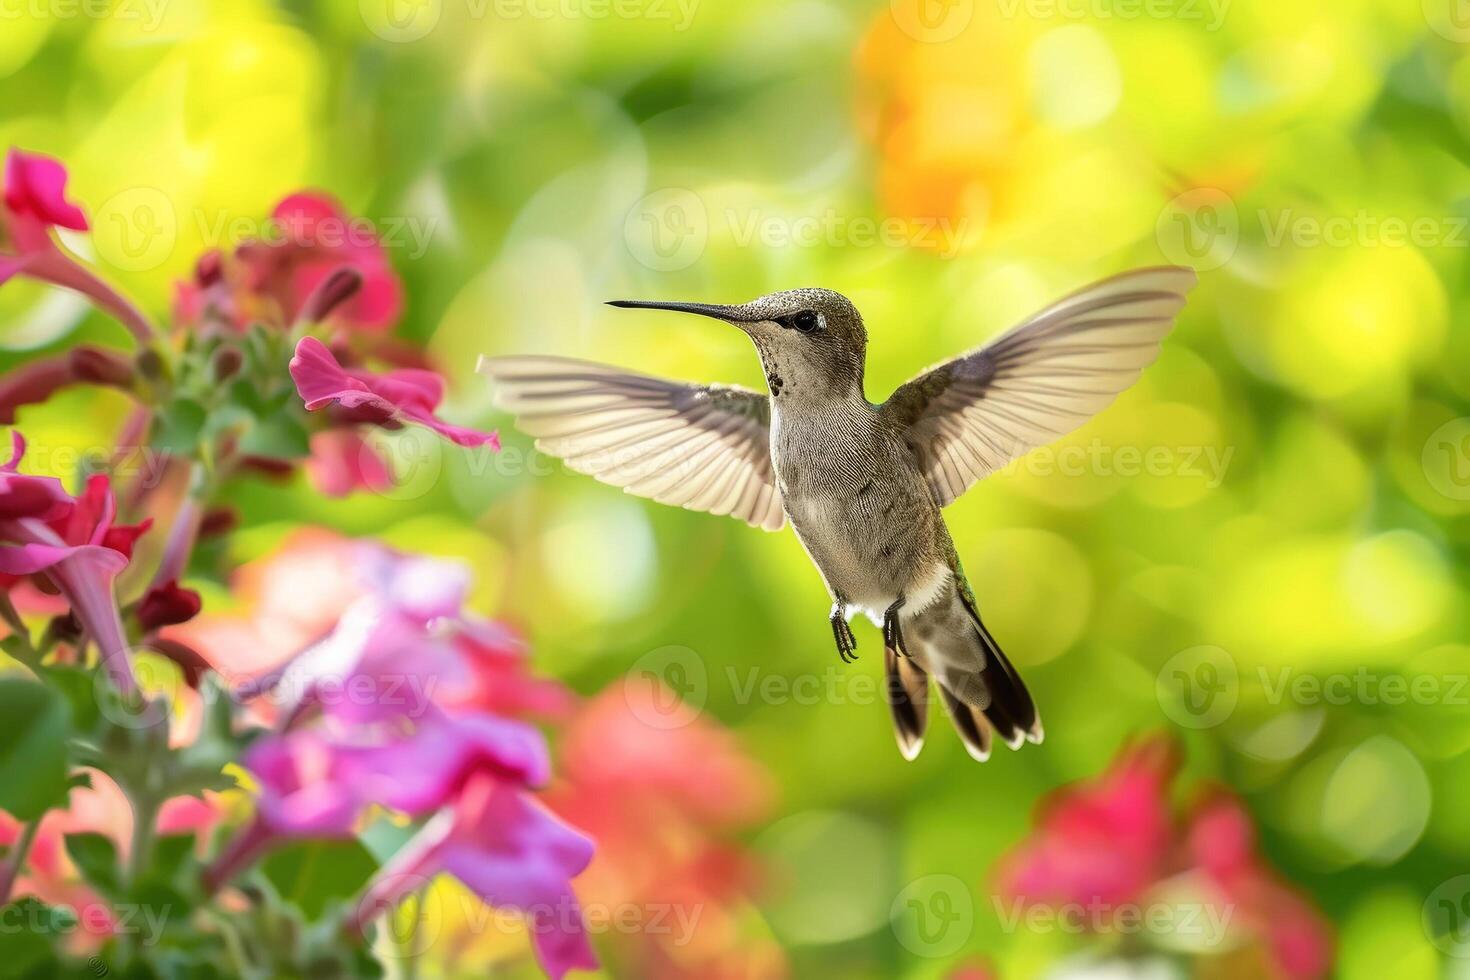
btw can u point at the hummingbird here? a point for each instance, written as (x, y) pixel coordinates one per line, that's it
(862, 484)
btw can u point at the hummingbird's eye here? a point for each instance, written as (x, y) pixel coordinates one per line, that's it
(805, 321)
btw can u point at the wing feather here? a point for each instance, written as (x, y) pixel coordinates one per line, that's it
(970, 416)
(703, 447)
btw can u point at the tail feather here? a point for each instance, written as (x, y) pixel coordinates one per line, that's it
(908, 697)
(970, 723)
(995, 689)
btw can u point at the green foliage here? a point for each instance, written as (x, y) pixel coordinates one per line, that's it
(33, 752)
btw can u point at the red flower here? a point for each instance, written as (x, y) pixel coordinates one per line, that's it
(281, 278)
(391, 399)
(167, 605)
(1220, 844)
(1103, 842)
(636, 758)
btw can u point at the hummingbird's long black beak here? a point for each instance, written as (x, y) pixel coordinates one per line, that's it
(730, 314)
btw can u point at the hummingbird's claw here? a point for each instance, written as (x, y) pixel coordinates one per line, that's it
(846, 642)
(892, 631)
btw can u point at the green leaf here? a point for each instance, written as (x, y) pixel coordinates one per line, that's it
(170, 851)
(277, 436)
(313, 873)
(96, 858)
(32, 932)
(33, 761)
(179, 427)
(78, 686)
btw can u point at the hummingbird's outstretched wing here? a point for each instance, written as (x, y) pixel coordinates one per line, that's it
(970, 416)
(704, 447)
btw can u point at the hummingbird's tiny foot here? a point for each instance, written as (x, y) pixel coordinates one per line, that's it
(846, 642)
(892, 631)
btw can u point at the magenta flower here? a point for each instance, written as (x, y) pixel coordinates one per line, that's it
(390, 400)
(71, 543)
(35, 193)
(319, 264)
(34, 203)
(316, 782)
(1103, 842)
(510, 852)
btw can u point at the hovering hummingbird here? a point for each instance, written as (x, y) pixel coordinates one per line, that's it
(861, 484)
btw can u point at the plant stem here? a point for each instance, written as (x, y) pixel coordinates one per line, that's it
(145, 824)
(17, 859)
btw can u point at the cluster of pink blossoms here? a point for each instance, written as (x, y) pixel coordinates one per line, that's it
(1109, 847)
(400, 701)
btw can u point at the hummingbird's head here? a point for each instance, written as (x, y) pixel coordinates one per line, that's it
(811, 341)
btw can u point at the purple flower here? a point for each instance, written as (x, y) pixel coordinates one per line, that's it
(513, 854)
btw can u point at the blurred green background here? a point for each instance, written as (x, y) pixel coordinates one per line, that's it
(1285, 494)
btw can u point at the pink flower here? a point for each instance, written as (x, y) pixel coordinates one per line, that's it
(510, 852)
(72, 543)
(634, 758)
(315, 782)
(343, 461)
(319, 265)
(1101, 843)
(1220, 846)
(35, 188)
(34, 203)
(391, 399)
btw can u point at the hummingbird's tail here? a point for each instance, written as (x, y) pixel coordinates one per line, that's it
(981, 690)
